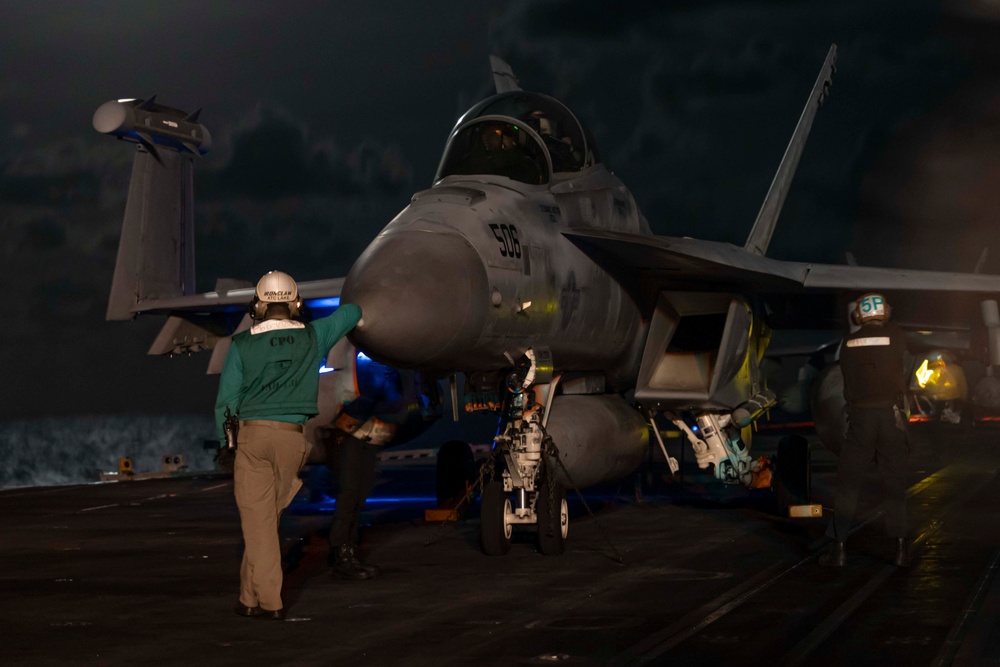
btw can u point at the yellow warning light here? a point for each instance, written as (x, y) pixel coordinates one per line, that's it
(923, 374)
(941, 380)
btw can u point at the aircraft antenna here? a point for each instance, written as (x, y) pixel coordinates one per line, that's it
(981, 264)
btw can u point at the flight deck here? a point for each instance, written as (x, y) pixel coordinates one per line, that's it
(146, 572)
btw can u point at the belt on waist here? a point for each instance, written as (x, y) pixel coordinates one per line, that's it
(271, 423)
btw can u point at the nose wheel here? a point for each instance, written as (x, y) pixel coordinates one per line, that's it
(495, 525)
(553, 519)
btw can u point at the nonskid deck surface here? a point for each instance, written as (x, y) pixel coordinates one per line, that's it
(146, 573)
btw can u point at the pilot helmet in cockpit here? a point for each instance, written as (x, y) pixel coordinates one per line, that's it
(565, 156)
(496, 136)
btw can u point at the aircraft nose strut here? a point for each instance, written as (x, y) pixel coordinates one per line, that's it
(423, 297)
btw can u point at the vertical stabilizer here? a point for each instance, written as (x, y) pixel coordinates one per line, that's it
(763, 228)
(503, 76)
(156, 249)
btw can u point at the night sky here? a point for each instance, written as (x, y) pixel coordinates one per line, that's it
(326, 116)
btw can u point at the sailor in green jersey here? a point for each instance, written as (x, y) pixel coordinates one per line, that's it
(270, 380)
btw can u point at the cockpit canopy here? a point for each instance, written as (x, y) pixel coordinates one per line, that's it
(523, 136)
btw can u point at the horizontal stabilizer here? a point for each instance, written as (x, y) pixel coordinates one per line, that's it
(181, 336)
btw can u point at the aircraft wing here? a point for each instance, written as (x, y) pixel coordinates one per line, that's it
(679, 261)
(801, 294)
(832, 276)
(207, 321)
(229, 299)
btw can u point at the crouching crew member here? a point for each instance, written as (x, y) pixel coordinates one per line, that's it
(271, 380)
(872, 360)
(365, 424)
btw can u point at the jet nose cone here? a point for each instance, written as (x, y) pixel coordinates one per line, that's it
(423, 299)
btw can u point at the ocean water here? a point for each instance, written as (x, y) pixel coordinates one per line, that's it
(73, 450)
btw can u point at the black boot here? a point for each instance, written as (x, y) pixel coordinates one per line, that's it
(269, 615)
(836, 557)
(902, 558)
(346, 565)
(244, 610)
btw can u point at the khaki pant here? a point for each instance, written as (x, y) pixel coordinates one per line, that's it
(266, 479)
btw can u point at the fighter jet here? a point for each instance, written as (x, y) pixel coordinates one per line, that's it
(529, 267)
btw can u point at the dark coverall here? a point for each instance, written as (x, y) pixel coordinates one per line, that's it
(365, 424)
(354, 462)
(872, 361)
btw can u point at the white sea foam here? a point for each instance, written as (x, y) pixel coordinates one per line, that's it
(73, 450)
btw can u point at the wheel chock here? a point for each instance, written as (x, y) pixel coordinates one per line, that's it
(805, 511)
(441, 515)
(451, 509)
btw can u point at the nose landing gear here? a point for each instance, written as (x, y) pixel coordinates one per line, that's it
(517, 481)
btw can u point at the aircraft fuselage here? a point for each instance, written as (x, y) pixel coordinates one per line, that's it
(477, 266)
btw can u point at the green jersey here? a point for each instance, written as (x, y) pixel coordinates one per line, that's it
(272, 370)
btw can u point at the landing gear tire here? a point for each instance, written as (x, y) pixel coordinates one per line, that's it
(553, 520)
(455, 472)
(495, 529)
(794, 477)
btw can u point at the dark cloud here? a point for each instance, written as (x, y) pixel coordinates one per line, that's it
(44, 233)
(937, 181)
(294, 198)
(273, 156)
(63, 297)
(593, 18)
(310, 237)
(62, 189)
(601, 20)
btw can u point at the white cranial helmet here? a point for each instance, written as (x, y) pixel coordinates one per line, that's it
(871, 307)
(276, 287)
